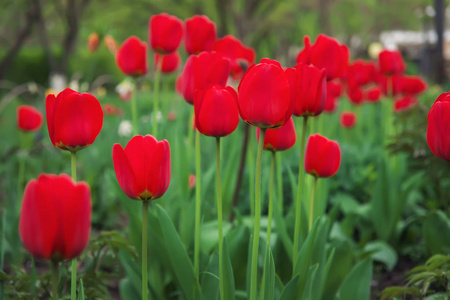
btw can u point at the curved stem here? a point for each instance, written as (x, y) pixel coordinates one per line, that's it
(144, 249)
(73, 286)
(311, 205)
(219, 220)
(298, 202)
(254, 269)
(156, 97)
(272, 175)
(134, 109)
(54, 270)
(198, 204)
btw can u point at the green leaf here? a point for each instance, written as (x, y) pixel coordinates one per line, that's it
(382, 252)
(210, 279)
(268, 275)
(280, 227)
(228, 280)
(178, 256)
(436, 231)
(357, 284)
(290, 291)
(81, 290)
(249, 266)
(127, 291)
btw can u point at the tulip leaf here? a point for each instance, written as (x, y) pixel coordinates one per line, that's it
(280, 227)
(181, 264)
(290, 291)
(382, 252)
(268, 275)
(436, 232)
(81, 296)
(228, 272)
(210, 279)
(357, 283)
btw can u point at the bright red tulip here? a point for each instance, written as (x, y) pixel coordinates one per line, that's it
(200, 34)
(327, 53)
(348, 119)
(279, 139)
(29, 119)
(55, 218)
(202, 71)
(361, 72)
(93, 42)
(265, 95)
(240, 56)
(334, 91)
(412, 85)
(439, 127)
(391, 62)
(143, 167)
(373, 94)
(355, 95)
(131, 58)
(404, 104)
(170, 62)
(165, 33)
(322, 156)
(393, 83)
(73, 119)
(216, 111)
(308, 89)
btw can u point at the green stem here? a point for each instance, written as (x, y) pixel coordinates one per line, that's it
(254, 269)
(272, 175)
(298, 202)
(33, 278)
(55, 276)
(251, 173)
(219, 220)
(2, 253)
(156, 97)
(73, 288)
(311, 205)
(280, 184)
(198, 205)
(144, 249)
(134, 109)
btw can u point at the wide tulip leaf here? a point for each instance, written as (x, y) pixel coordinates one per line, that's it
(357, 283)
(228, 280)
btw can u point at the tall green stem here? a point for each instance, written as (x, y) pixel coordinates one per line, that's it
(134, 108)
(156, 97)
(254, 269)
(144, 249)
(219, 219)
(55, 276)
(198, 205)
(73, 287)
(272, 175)
(280, 184)
(311, 204)
(298, 202)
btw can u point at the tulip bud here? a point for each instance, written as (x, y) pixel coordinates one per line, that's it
(348, 119)
(438, 127)
(391, 62)
(200, 35)
(131, 58)
(165, 33)
(322, 156)
(29, 119)
(279, 139)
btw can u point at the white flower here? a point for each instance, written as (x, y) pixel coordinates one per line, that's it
(125, 128)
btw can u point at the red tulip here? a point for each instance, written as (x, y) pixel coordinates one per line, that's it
(109, 109)
(373, 94)
(412, 85)
(143, 167)
(93, 42)
(355, 95)
(192, 179)
(28, 118)
(348, 119)
(361, 72)
(265, 95)
(322, 156)
(308, 89)
(55, 218)
(170, 62)
(279, 139)
(404, 104)
(391, 62)
(393, 82)
(326, 54)
(74, 120)
(334, 91)
(131, 58)
(240, 56)
(200, 34)
(202, 71)
(439, 127)
(216, 111)
(165, 33)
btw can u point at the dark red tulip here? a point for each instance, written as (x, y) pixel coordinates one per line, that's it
(170, 62)
(93, 42)
(373, 94)
(391, 62)
(165, 33)
(412, 85)
(355, 95)
(404, 104)
(327, 53)
(216, 111)
(240, 56)
(202, 71)
(393, 83)
(29, 119)
(439, 127)
(55, 218)
(347, 119)
(308, 89)
(73, 119)
(279, 139)
(265, 95)
(143, 167)
(322, 156)
(200, 35)
(334, 91)
(131, 58)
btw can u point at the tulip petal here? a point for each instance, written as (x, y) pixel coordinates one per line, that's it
(124, 172)
(158, 166)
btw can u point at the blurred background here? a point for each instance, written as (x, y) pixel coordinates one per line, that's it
(44, 38)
